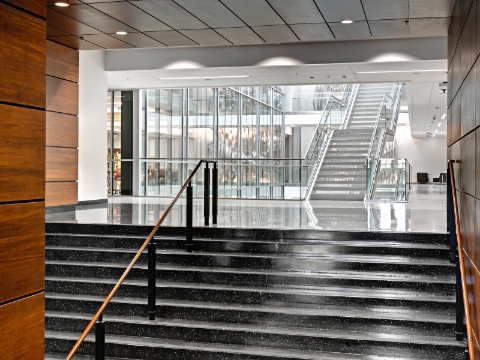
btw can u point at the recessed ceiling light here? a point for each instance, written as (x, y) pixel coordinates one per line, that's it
(347, 21)
(206, 77)
(121, 33)
(62, 3)
(443, 116)
(439, 124)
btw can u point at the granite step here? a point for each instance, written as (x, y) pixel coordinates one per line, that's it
(151, 348)
(360, 339)
(259, 278)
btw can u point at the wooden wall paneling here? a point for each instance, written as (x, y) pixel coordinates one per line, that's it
(38, 7)
(22, 327)
(467, 164)
(456, 118)
(62, 62)
(469, 90)
(62, 96)
(61, 193)
(62, 164)
(22, 249)
(473, 277)
(469, 222)
(22, 55)
(62, 130)
(22, 153)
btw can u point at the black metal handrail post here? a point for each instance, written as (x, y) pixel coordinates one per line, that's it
(151, 280)
(189, 240)
(214, 194)
(206, 195)
(451, 220)
(100, 339)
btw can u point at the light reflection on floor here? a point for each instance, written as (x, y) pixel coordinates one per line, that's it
(425, 212)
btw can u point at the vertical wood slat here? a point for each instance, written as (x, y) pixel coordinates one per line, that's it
(22, 249)
(22, 326)
(22, 55)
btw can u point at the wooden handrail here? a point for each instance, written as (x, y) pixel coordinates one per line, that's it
(462, 263)
(130, 266)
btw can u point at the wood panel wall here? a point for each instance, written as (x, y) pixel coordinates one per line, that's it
(22, 178)
(464, 139)
(62, 125)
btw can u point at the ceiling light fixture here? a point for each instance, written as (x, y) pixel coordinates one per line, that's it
(62, 3)
(121, 33)
(347, 21)
(395, 71)
(439, 124)
(443, 116)
(206, 77)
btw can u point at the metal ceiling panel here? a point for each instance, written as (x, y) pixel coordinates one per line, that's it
(312, 32)
(74, 42)
(254, 12)
(388, 28)
(171, 14)
(67, 24)
(171, 38)
(355, 31)
(429, 27)
(132, 16)
(338, 10)
(139, 40)
(107, 41)
(240, 36)
(211, 12)
(205, 37)
(275, 33)
(298, 11)
(381, 9)
(431, 8)
(94, 18)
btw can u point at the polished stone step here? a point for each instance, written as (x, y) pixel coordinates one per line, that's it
(425, 319)
(361, 339)
(259, 277)
(151, 348)
(428, 266)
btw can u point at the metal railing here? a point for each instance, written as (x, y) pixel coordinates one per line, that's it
(324, 131)
(457, 254)
(392, 182)
(390, 115)
(97, 319)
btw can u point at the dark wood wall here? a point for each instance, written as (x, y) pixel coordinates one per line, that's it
(62, 125)
(464, 139)
(22, 178)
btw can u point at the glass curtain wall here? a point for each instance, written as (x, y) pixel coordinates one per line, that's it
(241, 127)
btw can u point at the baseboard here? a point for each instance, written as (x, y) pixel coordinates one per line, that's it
(59, 209)
(93, 202)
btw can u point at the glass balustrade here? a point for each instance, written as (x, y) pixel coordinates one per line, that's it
(388, 179)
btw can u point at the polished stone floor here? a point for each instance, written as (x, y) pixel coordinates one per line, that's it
(425, 212)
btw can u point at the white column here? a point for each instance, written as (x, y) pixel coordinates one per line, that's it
(92, 152)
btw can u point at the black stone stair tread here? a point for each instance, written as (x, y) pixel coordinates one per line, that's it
(325, 290)
(55, 356)
(332, 257)
(396, 334)
(288, 241)
(230, 349)
(337, 274)
(401, 313)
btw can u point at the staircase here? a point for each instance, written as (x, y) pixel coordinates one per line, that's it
(254, 294)
(342, 175)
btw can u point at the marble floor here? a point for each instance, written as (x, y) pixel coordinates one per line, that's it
(425, 212)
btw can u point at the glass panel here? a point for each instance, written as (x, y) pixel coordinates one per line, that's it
(200, 123)
(228, 101)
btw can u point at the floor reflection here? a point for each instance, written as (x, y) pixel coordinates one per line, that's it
(426, 212)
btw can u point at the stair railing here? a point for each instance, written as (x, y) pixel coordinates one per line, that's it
(459, 252)
(323, 132)
(98, 317)
(396, 97)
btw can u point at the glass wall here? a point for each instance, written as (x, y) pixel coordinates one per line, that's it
(242, 127)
